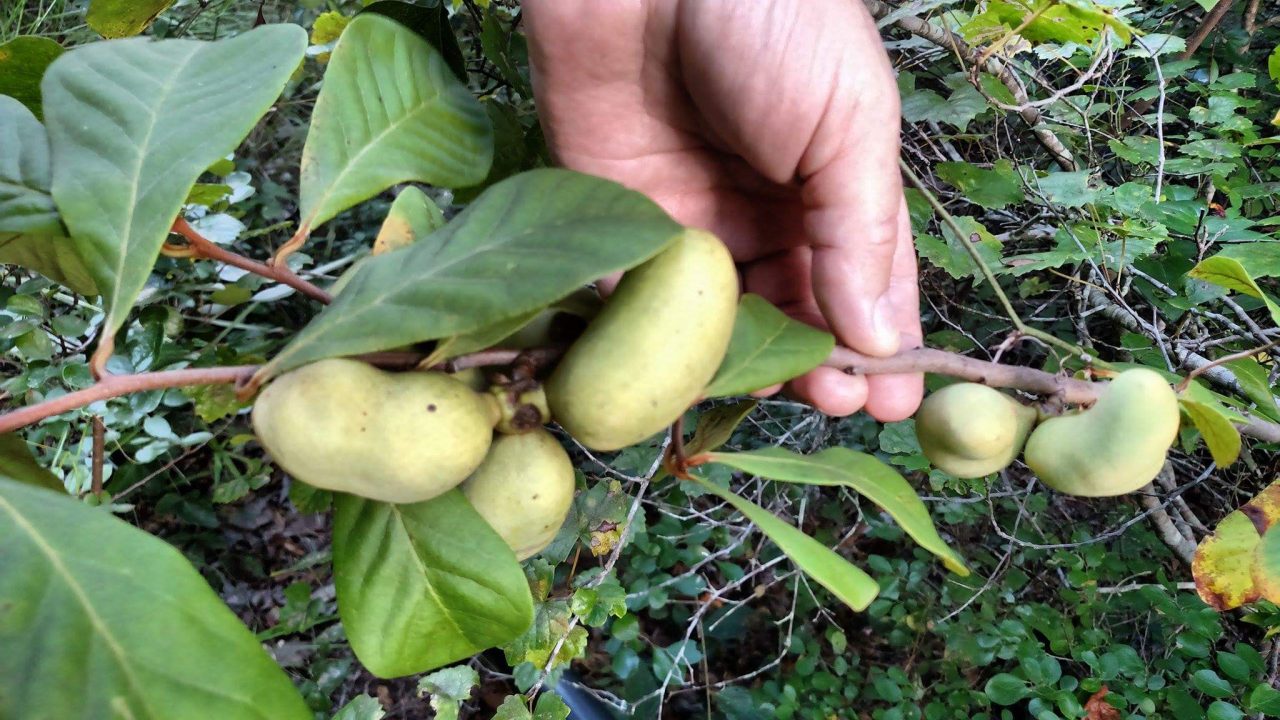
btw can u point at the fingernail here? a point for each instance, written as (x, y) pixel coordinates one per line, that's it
(887, 334)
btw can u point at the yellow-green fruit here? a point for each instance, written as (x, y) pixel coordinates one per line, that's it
(970, 430)
(1114, 447)
(397, 437)
(652, 350)
(523, 490)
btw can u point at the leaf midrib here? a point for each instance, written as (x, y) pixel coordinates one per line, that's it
(55, 562)
(413, 550)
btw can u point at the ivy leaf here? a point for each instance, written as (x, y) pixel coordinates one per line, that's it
(424, 584)
(524, 243)
(767, 347)
(449, 688)
(549, 707)
(993, 189)
(23, 61)
(361, 707)
(846, 581)
(949, 254)
(72, 584)
(390, 111)
(1231, 274)
(1219, 434)
(121, 170)
(31, 233)
(860, 472)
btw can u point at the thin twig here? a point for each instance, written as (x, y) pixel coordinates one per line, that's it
(99, 432)
(1197, 372)
(200, 246)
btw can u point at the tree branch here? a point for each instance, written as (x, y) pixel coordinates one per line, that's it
(200, 246)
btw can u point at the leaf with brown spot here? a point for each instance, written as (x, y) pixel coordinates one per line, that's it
(1224, 563)
(1097, 708)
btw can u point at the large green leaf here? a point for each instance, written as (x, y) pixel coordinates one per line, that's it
(424, 585)
(133, 123)
(124, 18)
(767, 347)
(390, 111)
(31, 234)
(430, 19)
(846, 581)
(23, 61)
(860, 472)
(16, 463)
(523, 244)
(101, 620)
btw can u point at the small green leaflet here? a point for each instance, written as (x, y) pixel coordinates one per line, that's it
(523, 244)
(860, 472)
(846, 581)
(716, 426)
(449, 688)
(1232, 275)
(1219, 434)
(767, 347)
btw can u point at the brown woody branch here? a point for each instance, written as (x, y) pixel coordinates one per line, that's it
(200, 246)
(1064, 389)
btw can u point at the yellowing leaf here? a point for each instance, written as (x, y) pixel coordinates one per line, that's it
(1223, 566)
(1219, 434)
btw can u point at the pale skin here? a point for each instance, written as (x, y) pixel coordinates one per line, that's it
(772, 123)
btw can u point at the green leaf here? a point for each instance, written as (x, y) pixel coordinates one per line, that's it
(1273, 65)
(124, 18)
(412, 217)
(1210, 683)
(860, 472)
(17, 463)
(361, 707)
(390, 111)
(993, 189)
(526, 242)
(1255, 382)
(849, 584)
(549, 707)
(1266, 565)
(1006, 689)
(1219, 434)
(23, 61)
(31, 234)
(485, 337)
(949, 253)
(1223, 565)
(767, 347)
(1264, 699)
(133, 124)
(1231, 274)
(425, 584)
(716, 426)
(95, 604)
(449, 688)
(431, 21)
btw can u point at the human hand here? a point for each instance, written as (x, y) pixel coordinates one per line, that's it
(774, 124)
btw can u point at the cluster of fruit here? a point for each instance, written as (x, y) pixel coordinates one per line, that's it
(407, 437)
(1115, 447)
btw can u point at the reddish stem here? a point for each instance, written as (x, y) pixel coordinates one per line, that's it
(279, 272)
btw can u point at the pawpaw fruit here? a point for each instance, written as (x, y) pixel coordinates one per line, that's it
(651, 351)
(523, 489)
(1114, 447)
(970, 430)
(347, 426)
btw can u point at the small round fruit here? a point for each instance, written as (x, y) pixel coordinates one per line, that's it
(1114, 447)
(347, 426)
(970, 430)
(651, 351)
(524, 490)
